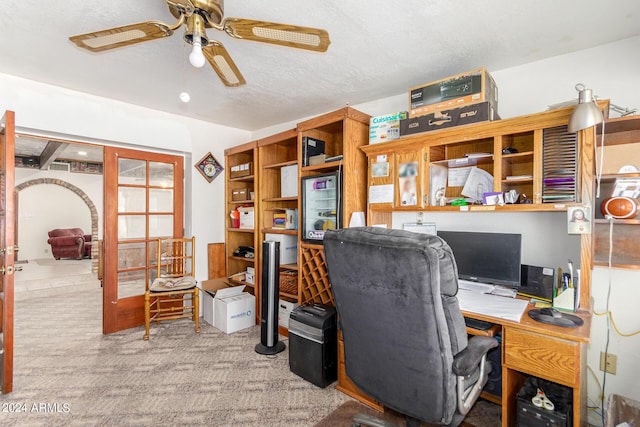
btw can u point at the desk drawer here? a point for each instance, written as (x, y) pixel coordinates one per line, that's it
(546, 357)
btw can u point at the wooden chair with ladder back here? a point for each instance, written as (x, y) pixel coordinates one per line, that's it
(173, 293)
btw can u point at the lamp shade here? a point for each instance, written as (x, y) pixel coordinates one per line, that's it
(586, 114)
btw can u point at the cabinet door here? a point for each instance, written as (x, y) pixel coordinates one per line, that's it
(408, 179)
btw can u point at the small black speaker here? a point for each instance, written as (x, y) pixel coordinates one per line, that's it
(537, 281)
(269, 343)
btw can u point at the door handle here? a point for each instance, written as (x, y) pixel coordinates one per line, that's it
(9, 270)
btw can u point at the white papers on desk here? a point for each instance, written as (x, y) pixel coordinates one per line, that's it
(491, 305)
(486, 288)
(467, 285)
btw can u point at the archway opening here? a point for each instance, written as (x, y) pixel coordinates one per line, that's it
(85, 198)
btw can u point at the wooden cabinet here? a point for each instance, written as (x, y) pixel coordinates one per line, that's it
(517, 154)
(344, 131)
(510, 152)
(621, 148)
(242, 176)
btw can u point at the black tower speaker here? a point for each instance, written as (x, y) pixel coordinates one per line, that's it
(269, 343)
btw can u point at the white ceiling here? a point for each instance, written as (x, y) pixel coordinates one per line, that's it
(378, 49)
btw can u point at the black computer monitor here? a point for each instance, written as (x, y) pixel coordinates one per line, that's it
(493, 258)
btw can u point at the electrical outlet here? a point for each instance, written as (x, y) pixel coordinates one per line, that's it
(608, 363)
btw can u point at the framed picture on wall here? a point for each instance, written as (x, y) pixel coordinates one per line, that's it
(209, 167)
(578, 220)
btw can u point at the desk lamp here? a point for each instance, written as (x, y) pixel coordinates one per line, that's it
(586, 115)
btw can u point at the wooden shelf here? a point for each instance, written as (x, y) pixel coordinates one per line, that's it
(248, 178)
(540, 207)
(280, 199)
(241, 258)
(280, 164)
(322, 166)
(240, 230)
(280, 231)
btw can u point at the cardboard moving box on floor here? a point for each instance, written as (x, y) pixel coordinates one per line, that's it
(209, 289)
(227, 307)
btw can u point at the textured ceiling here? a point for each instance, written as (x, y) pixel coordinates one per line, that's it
(378, 49)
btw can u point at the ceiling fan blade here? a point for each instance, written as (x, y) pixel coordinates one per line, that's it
(282, 34)
(222, 64)
(186, 6)
(123, 36)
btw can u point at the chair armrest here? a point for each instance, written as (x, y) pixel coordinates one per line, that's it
(468, 359)
(87, 237)
(66, 240)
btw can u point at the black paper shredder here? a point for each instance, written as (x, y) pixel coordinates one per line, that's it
(313, 344)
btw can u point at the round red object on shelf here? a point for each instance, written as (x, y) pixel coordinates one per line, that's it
(620, 207)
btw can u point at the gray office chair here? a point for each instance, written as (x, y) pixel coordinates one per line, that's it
(405, 341)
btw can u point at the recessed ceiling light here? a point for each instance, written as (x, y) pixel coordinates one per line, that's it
(82, 153)
(184, 97)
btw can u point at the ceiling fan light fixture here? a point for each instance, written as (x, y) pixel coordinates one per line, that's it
(196, 58)
(196, 36)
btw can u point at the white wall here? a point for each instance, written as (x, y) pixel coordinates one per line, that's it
(47, 206)
(79, 116)
(612, 72)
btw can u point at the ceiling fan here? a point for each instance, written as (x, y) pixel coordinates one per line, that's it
(198, 15)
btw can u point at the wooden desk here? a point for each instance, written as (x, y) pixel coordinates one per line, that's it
(553, 353)
(529, 348)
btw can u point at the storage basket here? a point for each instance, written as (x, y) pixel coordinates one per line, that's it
(289, 282)
(239, 171)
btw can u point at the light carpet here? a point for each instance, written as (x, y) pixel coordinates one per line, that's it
(67, 373)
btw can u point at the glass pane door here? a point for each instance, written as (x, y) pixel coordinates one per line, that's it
(144, 200)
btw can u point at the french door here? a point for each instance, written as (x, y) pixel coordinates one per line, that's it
(144, 194)
(7, 248)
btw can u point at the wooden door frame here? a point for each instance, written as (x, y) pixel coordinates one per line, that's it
(128, 311)
(7, 222)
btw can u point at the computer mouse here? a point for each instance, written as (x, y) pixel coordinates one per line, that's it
(548, 311)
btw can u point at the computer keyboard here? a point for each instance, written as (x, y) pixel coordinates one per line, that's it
(480, 325)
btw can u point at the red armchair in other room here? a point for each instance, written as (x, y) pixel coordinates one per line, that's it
(69, 243)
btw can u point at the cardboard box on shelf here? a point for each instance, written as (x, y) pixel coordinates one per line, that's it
(239, 171)
(250, 275)
(475, 113)
(284, 312)
(317, 160)
(239, 194)
(288, 247)
(385, 128)
(246, 217)
(289, 181)
(456, 91)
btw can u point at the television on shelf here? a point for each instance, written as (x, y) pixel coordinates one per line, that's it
(483, 257)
